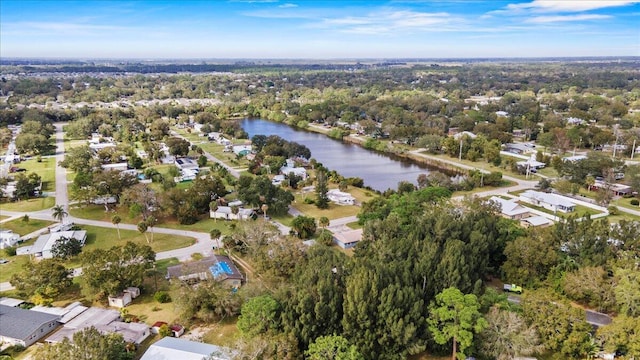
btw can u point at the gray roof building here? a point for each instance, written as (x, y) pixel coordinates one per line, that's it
(170, 348)
(24, 327)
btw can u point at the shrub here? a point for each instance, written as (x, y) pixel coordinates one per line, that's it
(634, 202)
(308, 200)
(325, 238)
(162, 297)
(613, 210)
(10, 251)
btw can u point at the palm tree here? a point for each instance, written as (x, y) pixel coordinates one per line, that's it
(151, 221)
(142, 227)
(213, 206)
(235, 210)
(116, 220)
(215, 234)
(264, 209)
(324, 222)
(59, 213)
(589, 181)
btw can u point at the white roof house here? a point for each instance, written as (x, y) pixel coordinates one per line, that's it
(170, 348)
(551, 202)
(536, 221)
(226, 213)
(116, 167)
(347, 239)
(45, 243)
(510, 209)
(340, 198)
(574, 158)
(532, 163)
(242, 150)
(104, 320)
(463, 133)
(8, 239)
(298, 171)
(186, 163)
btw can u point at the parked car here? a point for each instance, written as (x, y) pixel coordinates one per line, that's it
(512, 288)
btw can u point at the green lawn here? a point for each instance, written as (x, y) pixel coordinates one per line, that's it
(204, 225)
(354, 225)
(505, 183)
(14, 266)
(30, 205)
(332, 212)
(105, 238)
(23, 228)
(46, 169)
(625, 203)
(96, 212)
(479, 165)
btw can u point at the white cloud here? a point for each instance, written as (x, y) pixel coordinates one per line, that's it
(564, 18)
(387, 22)
(567, 5)
(62, 27)
(287, 5)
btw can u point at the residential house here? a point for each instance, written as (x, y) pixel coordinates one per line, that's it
(226, 213)
(532, 163)
(553, 202)
(516, 148)
(25, 327)
(8, 239)
(340, 198)
(574, 158)
(216, 267)
(185, 163)
(124, 298)
(115, 167)
(170, 348)
(511, 209)
(242, 150)
(459, 135)
(290, 167)
(176, 330)
(44, 245)
(347, 239)
(617, 189)
(106, 321)
(278, 180)
(536, 221)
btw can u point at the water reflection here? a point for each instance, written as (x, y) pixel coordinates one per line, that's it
(378, 171)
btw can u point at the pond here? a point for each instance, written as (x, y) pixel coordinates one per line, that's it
(379, 171)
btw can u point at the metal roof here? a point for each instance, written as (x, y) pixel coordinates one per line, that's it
(17, 323)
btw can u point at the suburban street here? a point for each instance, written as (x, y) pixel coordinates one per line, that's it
(203, 243)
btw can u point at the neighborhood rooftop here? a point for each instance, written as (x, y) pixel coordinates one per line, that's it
(19, 323)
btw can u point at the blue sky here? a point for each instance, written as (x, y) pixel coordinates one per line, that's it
(319, 29)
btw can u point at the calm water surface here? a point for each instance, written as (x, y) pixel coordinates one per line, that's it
(378, 171)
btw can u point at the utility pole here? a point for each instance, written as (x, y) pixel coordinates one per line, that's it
(460, 156)
(633, 149)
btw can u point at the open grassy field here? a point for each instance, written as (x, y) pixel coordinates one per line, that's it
(46, 168)
(13, 266)
(332, 212)
(105, 238)
(22, 228)
(30, 205)
(96, 212)
(222, 333)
